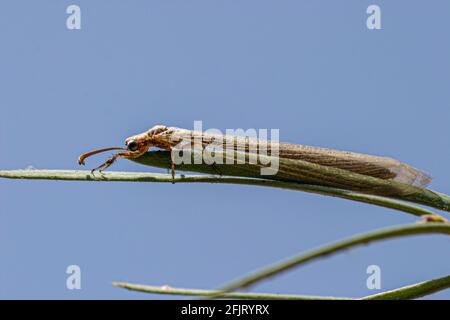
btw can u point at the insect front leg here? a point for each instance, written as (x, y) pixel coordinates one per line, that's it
(111, 160)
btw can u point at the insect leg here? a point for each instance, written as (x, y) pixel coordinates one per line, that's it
(172, 165)
(110, 161)
(104, 165)
(216, 169)
(173, 172)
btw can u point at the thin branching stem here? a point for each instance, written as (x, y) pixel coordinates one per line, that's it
(362, 239)
(410, 292)
(84, 175)
(414, 291)
(206, 293)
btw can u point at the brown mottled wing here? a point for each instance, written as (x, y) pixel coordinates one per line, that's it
(367, 165)
(374, 166)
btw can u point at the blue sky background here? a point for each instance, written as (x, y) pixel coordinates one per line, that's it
(310, 68)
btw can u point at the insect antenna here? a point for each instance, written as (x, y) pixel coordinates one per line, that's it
(91, 153)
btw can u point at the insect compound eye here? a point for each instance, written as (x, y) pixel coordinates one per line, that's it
(132, 145)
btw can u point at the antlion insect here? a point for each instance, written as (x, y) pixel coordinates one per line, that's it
(342, 169)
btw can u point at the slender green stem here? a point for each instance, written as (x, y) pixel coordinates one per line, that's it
(206, 293)
(362, 239)
(415, 229)
(414, 291)
(83, 175)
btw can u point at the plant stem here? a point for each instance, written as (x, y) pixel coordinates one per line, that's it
(84, 175)
(414, 291)
(295, 261)
(206, 293)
